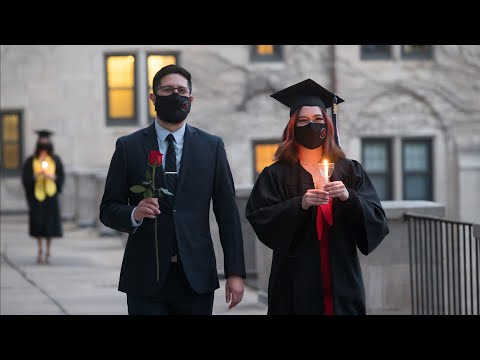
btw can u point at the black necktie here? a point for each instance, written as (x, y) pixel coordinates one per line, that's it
(171, 165)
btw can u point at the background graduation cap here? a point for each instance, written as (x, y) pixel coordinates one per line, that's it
(309, 93)
(44, 133)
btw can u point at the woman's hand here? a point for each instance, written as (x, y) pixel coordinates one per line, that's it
(337, 189)
(314, 197)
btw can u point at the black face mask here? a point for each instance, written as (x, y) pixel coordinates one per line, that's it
(44, 146)
(172, 108)
(312, 135)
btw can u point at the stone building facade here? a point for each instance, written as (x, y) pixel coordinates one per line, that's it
(391, 99)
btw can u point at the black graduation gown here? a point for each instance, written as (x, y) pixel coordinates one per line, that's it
(275, 213)
(44, 217)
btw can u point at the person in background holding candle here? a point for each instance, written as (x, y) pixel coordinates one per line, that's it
(43, 178)
(314, 224)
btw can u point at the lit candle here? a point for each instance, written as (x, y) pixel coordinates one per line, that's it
(325, 170)
(44, 164)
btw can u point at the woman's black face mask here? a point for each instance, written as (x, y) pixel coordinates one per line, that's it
(312, 135)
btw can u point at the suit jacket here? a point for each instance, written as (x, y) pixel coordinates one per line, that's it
(204, 176)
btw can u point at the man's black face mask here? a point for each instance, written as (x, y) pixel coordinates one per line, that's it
(172, 108)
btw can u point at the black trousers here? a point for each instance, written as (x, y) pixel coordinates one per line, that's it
(175, 298)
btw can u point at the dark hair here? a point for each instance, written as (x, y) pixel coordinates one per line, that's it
(287, 150)
(170, 69)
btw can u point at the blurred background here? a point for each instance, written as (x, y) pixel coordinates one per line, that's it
(411, 116)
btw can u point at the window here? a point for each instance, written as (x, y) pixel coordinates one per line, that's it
(266, 53)
(121, 89)
(155, 62)
(377, 162)
(11, 142)
(417, 169)
(417, 52)
(376, 52)
(263, 153)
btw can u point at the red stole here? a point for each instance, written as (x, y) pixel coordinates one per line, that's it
(324, 221)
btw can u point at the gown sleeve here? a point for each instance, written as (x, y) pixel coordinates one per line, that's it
(363, 211)
(28, 180)
(278, 221)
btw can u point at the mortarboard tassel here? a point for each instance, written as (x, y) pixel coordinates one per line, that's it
(334, 119)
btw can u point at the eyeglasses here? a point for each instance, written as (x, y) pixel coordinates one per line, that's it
(168, 90)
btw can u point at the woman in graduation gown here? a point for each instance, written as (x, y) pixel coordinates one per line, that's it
(313, 227)
(43, 179)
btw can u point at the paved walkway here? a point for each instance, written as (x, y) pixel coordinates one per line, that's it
(82, 276)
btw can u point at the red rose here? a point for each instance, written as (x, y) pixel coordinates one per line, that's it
(155, 158)
(149, 190)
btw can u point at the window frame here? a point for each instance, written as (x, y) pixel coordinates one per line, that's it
(277, 55)
(390, 178)
(160, 53)
(420, 140)
(133, 121)
(376, 56)
(428, 56)
(18, 171)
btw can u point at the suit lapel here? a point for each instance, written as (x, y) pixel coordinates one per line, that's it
(187, 155)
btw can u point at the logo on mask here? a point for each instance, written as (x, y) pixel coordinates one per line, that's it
(172, 108)
(185, 106)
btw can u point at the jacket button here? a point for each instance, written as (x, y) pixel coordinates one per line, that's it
(174, 210)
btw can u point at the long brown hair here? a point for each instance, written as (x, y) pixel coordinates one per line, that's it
(287, 150)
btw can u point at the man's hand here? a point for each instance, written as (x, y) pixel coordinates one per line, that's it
(234, 290)
(147, 208)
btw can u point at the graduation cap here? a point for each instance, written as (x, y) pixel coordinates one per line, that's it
(309, 93)
(44, 133)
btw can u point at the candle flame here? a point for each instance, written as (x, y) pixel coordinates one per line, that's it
(44, 164)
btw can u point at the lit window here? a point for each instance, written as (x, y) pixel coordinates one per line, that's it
(154, 63)
(11, 142)
(121, 91)
(266, 53)
(264, 152)
(264, 49)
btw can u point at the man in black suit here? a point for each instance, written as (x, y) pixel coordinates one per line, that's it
(176, 274)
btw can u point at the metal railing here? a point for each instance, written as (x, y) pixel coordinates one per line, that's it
(444, 266)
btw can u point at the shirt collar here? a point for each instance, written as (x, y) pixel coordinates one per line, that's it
(162, 133)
